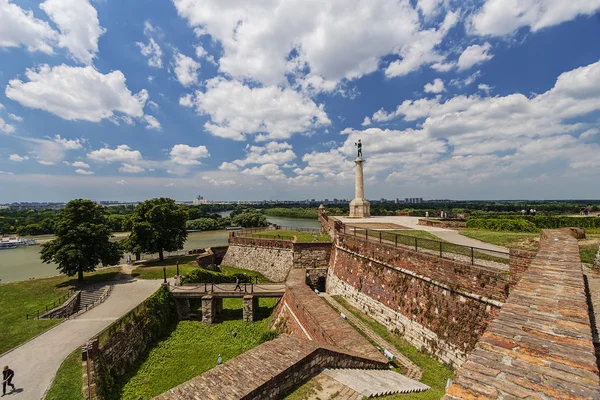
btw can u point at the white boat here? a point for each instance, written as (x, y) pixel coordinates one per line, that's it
(14, 242)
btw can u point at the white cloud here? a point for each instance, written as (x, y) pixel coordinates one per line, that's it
(18, 158)
(219, 182)
(153, 52)
(19, 27)
(421, 50)
(121, 182)
(153, 105)
(122, 154)
(6, 173)
(338, 39)
(186, 69)
(429, 7)
(77, 93)
(484, 87)
(201, 53)
(44, 162)
(79, 26)
(6, 127)
(466, 81)
(503, 17)
(270, 172)
(271, 153)
(237, 110)
(80, 164)
(589, 133)
(83, 172)
(50, 151)
(437, 86)
(131, 169)
(474, 54)
(443, 67)
(183, 154)
(366, 121)
(152, 123)
(15, 117)
(227, 166)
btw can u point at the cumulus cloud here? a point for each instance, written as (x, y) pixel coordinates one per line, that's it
(499, 17)
(121, 182)
(83, 172)
(227, 166)
(131, 169)
(437, 86)
(77, 93)
(122, 154)
(6, 127)
(79, 27)
(19, 27)
(15, 117)
(474, 54)
(18, 158)
(186, 69)
(218, 182)
(237, 110)
(270, 172)
(153, 52)
(80, 164)
(346, 41)
(271, 153)
(50, 151)
(152, 123)
(183, 154)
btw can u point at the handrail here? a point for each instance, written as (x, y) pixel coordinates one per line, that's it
(56, 303)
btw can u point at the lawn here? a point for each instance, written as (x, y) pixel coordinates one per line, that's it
(68, 382)
(154, 270)
(588, 253)
(517, 240)
(253, 274)
(289, 235)
(435, 374)
(26, 297)
(193, 348)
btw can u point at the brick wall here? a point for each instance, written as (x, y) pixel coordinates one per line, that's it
(438, 305)
(519, 262)
(443, 223)
(309, 255)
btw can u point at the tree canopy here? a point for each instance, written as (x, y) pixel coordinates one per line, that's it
(82, 240)
(157, 225)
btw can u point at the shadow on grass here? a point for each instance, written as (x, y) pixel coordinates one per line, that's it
(95, 278)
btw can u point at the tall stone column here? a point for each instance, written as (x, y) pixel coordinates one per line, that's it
(359, 207)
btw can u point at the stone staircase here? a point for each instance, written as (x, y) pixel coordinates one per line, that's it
(412, 370)
(375, 383)
(90, 296)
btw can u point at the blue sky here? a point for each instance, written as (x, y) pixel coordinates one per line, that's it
(264, 100)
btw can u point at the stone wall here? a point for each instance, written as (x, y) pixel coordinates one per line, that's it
(211, 256)
(310, 255)
(314, 276)
(272, 258)
(64, 310)
(438, 305)
(540, 346)
(443, 223)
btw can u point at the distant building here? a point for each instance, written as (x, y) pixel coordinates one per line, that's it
(413, 200)
(199, 200)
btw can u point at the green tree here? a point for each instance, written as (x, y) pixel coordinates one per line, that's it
(82, 240)
(157, 225)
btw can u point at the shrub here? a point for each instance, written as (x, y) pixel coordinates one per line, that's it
(267, 336)
(499, 224)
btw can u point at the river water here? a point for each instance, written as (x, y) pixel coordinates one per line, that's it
(24, 262)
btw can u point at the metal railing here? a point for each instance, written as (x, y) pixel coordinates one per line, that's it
(36, 314)
(461, 253)
(275, 237)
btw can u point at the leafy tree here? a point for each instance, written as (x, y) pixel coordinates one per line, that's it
(157, 225)
(249, 218)
(82, 240)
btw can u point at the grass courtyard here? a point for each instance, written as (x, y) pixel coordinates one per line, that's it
(26, 297)
(516, 240)
(289, 235)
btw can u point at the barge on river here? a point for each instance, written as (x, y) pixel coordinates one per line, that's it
(14, 242)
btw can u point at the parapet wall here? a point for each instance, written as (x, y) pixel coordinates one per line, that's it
(540, 345)
(438, 305)
(443, 223)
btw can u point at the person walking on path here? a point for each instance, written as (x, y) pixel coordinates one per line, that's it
(237, 284)
(7, 375)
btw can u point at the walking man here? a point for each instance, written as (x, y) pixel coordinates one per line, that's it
(7, 375)
(237, 284)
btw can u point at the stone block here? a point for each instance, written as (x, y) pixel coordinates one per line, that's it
(250, 307)
(183, 308)
(208, 309)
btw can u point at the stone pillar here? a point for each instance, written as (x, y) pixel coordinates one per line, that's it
(359, 207)
(250, 306)
(183, 308)
(208, 309)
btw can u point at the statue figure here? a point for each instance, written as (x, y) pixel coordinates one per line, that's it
(359, 145)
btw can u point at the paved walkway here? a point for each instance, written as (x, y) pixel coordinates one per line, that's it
(36, 362)
(449, 235)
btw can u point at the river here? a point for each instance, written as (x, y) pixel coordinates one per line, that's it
(24, 262)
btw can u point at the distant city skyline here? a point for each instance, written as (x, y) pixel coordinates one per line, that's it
(137, 99)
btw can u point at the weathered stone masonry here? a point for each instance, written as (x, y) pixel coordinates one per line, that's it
(437, 304)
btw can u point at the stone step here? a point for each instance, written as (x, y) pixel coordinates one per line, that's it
(375, 383)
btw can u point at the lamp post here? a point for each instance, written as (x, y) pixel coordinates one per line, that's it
(165, 274)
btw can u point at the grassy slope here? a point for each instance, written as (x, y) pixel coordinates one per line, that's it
(286, 234)
(68, 382)
(517, 240)
(19, 298)
(434, 373)
(193, 348)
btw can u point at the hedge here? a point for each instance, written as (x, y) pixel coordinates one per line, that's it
(203, 275)
(530, 223)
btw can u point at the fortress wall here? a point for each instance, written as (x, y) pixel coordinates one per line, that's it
(273, 262)
(438, 305)
(307, 254)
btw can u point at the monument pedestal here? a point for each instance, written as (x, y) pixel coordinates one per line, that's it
(359, 207)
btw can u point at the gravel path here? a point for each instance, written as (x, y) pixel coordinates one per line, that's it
(36, 362)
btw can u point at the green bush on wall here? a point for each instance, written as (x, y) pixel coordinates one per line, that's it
(529, 223)
(206, 276)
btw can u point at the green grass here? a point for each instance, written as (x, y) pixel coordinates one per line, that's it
(232, 270)
(26, 297)
(289, 234)
(426, 240)
(154, 270)
(193, 348)
(435, 374)
(588, 253)
(517, 240)
(67, 384)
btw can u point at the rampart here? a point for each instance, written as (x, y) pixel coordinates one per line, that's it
(275, 258)
(438, 305)
(211, 256)
(540, 345)
(444, 223)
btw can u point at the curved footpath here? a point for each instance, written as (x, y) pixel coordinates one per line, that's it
(449, 235)
(36, 362)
